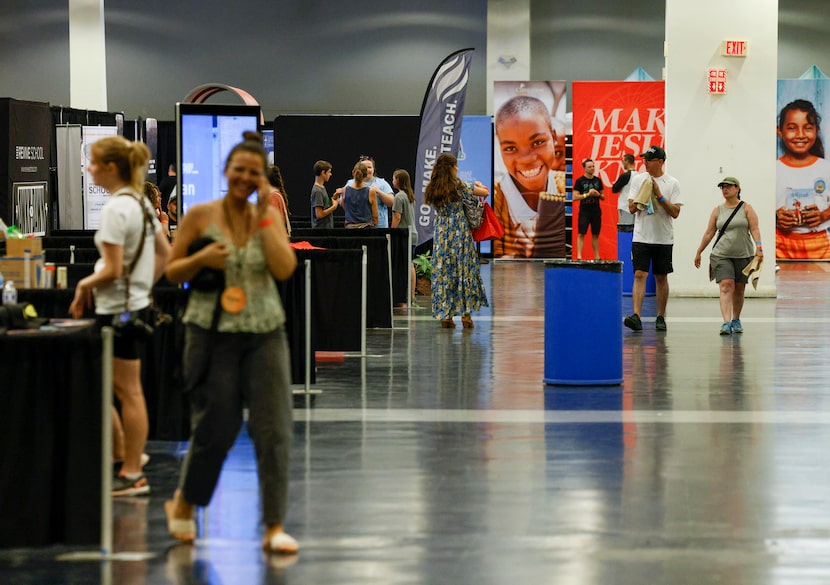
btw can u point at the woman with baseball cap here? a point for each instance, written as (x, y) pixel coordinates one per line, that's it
(738, 242)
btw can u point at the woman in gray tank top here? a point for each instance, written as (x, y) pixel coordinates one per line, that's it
(735, 247)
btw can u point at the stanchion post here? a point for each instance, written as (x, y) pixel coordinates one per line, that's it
(389, 266)
(307, 325)
(409, 298)
(107, 335)
(363, 303)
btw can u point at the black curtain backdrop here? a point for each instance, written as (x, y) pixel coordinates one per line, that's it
(300, 141)
(166, 149)
(62, 115)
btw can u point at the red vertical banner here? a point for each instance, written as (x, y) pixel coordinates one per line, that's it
(610, 119)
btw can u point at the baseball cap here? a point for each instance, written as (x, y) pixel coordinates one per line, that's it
(729, 181)
(653, 152)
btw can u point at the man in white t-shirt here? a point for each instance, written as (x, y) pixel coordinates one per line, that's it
(653, 235)
(386, 195)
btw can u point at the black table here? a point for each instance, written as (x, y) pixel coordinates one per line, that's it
(50, 436)
(379, 293)
(336, 325)
(168, 408)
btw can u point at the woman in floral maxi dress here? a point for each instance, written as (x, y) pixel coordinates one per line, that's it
(457, 288)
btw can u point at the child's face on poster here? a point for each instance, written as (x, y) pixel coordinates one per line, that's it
(798, 133)
(528, 150)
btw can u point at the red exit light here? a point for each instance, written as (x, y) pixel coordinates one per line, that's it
(734, 48)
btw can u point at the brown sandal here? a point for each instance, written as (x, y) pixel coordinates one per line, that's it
(447, 324)
(467, 321)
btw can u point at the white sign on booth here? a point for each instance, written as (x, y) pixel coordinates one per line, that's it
(94, 196)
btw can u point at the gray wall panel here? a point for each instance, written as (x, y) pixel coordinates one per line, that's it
(361, 57)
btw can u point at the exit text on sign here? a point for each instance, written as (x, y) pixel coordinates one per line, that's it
(735, 48)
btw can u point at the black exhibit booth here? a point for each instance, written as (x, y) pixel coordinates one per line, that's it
(24, 171)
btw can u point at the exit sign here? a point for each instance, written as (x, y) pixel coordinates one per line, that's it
(735, 48)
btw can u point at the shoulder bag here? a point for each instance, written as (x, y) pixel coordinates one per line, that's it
(139, 323)
(720, 233)
(490, 228)
(473, 209)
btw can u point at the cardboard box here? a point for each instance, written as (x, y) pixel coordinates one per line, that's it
(13, 269)
(15, 248)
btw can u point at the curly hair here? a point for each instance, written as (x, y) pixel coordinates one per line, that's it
(274, 176)
(151, 191)
(444, 186)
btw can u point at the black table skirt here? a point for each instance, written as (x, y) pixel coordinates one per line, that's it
(50, 435)
(401, 255)
(335, 303)
(379, 306)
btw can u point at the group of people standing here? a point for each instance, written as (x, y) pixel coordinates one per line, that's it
(366, 199)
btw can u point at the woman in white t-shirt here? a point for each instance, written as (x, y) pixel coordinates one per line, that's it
(119, 166)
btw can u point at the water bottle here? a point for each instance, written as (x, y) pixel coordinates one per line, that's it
(9, 293)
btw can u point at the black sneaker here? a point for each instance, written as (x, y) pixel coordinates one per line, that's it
(633, 322)
(660, 323)
(121, 486)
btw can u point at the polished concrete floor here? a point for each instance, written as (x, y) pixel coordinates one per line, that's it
(442, 458)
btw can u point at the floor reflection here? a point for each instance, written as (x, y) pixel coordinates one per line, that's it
(443, 458)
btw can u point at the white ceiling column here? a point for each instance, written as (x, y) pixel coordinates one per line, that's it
(87, 55)
(508, 43)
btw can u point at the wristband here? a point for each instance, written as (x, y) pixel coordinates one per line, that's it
(661, 199)
(266, 222)
(163, 220)
(757, 244)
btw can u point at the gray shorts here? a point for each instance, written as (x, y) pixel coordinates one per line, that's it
(729, 268)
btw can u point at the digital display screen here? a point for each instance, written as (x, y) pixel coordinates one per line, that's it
(206, 134)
